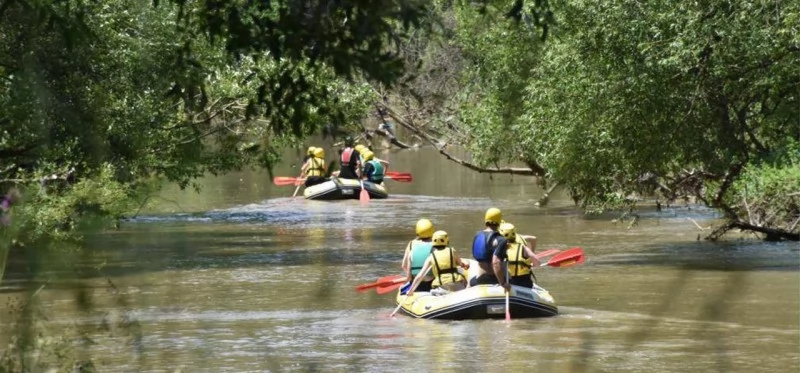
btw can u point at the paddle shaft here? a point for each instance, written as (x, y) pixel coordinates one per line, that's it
(411, 290)
(508, 310)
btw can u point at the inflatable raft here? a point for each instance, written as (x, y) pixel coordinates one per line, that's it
(480, 302)
(337, 189)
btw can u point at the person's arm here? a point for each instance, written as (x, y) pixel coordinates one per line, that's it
(305, 167)
(406, 264)
(422, 274)
(530, 251)
(458, 261)
(497, 263)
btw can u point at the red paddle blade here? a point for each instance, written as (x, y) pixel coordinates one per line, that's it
(285, 180)
(364, 195)
(567, 258)
(390, 287)
(399, 178)
(385, 280)
(394, 174)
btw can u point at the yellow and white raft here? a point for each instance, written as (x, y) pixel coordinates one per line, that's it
(480, 302)
(338, 189)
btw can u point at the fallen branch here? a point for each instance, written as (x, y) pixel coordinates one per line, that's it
(545, 198)
(698, 225)
(773, 234)
(469, 165)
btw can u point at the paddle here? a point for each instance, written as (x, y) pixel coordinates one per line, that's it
(399, 178)
(387, 288)
(395, 174)
(566, 258)
(547, 252)
(405, 297)
(508, 309)
(386, 280)
(364, 196)
(287, 180)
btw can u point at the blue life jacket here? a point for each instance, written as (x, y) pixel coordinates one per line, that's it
(481, 250)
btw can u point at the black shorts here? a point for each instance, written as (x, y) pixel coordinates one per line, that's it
(425, 286)
(484, 279)
(314, 180)
(347, 173)
(524, 281)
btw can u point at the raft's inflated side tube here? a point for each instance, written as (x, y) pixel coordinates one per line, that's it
(338, 189)
(480, 302)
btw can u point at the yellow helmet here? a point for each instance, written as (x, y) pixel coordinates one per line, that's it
(319, 153)
(440, 238)
(507, 230)
(493, 215)
(360, 148)
(368, 155)
(424, 228)
(311, 150)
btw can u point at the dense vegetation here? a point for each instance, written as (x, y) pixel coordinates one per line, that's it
(676, 100)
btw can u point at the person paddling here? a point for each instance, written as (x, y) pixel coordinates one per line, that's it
(349, 160)
(484, 246)
(373, 170)
(520, 257)
(444, 261)
(417, 251)
(314, 168)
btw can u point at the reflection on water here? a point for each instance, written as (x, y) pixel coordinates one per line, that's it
(242, 278)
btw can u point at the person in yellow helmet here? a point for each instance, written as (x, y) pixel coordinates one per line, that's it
(417, 251)
(314, 169)
(444, 261)
(485, 245)
(373, 170)
(519, 257)
(362, 148)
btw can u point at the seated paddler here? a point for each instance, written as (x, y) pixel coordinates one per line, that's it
(444, 261)
(373, 170)
(485, 246)
(349, 160)
(520, 257)
(315, 168)
(417, 251)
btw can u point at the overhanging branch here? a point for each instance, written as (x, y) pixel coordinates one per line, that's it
(442, 149)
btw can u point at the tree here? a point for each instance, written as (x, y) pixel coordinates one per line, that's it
(624, 100)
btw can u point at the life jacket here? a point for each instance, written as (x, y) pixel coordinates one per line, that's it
(444, 267)
(346, 157)
(317, 167)
(482, 246)
(420, 250)
(377, 173)
(518, 264)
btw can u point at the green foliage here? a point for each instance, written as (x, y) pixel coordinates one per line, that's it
(768, 192)
(624, 99)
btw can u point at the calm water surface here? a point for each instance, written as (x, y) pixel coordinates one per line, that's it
(241, 278)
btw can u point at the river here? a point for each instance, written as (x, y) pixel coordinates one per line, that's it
(242, 278)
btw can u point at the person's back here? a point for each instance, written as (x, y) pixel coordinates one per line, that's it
(349, 160)
(417, 251)
(445, 270)
(518, 256)
(444, 262)
(373, 170)
(484, 244)
(315, 172)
